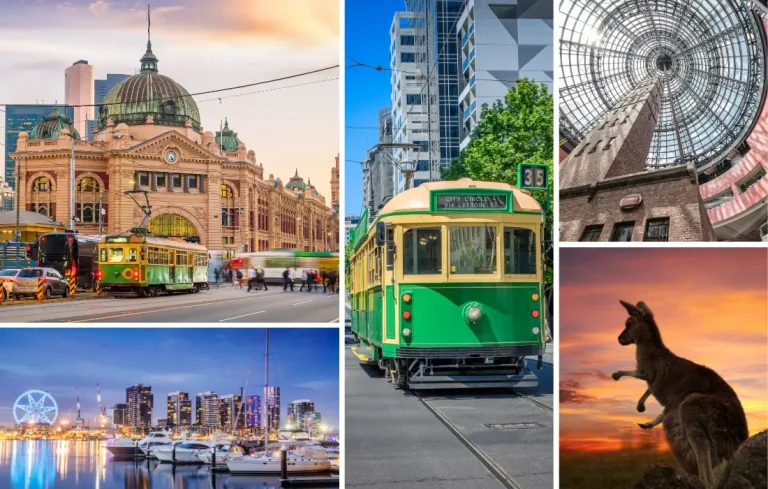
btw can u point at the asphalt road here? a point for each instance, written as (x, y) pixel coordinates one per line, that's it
(225, 305)
(394, 439)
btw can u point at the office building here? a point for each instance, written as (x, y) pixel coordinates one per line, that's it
(315, 423)
(78, 90)
(253, 412)
(7, 196)
(299, 413)
(179, 409)
(350, 223)
(500, 43)
(117, 414)
(231, 411)
(139, 402)
(272, 405)
(208, 413)
(378, 171)
(24, 118)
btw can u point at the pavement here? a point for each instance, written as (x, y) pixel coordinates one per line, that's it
(223, 304)
(395, 440)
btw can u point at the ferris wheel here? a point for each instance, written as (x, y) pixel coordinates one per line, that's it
(35, 406)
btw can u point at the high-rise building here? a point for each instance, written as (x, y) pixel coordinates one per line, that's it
(253, 412)
(409, 112)
(139, 402)
(207, 413)
(314, 423)
(299, 413)
(7, 196)
(179, 409)
(78, 90)
(100, 90)
(117, 413)
(350, 223)
(231, 412)
(378, 169)
(24, 118)
(501, 41)
(272, 405)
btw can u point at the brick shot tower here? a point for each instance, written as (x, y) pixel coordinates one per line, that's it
(606, 194)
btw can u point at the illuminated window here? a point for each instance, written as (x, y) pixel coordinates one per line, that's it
(172, 225)
(87, 200)
(42, 196)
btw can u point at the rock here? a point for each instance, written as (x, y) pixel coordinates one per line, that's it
(668, 478)
(748, 469)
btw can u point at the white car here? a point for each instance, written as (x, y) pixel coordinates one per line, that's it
(7, 279)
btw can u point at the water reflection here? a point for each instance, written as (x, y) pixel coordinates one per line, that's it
(86, 465)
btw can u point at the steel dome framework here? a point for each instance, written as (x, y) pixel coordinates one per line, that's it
(710, 55)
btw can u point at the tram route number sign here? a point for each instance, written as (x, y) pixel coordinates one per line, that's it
(531, 176)
(471, 202)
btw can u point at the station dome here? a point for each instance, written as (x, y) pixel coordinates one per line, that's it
(296, 182)
(52, 125)
(227, 138)
(148, 93)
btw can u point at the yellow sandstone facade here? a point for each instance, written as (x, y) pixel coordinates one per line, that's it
(199, 183)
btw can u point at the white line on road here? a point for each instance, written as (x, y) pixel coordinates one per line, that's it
(237, 317)
(302, 302)
(335, 320)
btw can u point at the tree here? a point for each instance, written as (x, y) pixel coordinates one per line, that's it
(514, 130)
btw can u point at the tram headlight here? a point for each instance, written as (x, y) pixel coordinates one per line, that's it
(535, 330)
(474, 313)
(407, 332)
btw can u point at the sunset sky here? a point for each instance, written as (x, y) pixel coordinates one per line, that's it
(203, 45)
(711, 306)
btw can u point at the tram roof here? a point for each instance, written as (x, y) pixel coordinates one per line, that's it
(418, 199)
(163, 242)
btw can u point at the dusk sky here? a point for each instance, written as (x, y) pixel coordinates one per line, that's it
(711, 306)
(202, 45)
(366, 90)
(303, 362)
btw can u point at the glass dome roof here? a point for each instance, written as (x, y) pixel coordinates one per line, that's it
(710, 55)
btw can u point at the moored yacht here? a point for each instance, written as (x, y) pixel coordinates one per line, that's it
(126, 447)
(224, 452)
(186, 452)
(308, 460)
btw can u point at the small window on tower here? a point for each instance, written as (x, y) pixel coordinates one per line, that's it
(583, 148)
(594, 148)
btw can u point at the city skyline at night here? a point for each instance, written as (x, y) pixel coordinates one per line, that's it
(303, 364)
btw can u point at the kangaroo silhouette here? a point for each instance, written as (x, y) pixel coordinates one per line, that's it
(704, 422)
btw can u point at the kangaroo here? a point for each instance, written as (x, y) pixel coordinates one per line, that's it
(704, 422)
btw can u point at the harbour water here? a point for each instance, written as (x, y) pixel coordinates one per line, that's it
(36, 464)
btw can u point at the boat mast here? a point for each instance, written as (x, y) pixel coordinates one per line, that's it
(266, 393)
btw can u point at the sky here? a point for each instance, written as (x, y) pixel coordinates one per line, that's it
(711, 306)
(202, 45)
(303, 362)
(367, 90)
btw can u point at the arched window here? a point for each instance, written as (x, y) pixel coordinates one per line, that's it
(229, 219)
(87, 194)
(41, 199)
(169, 107)
(172, 225)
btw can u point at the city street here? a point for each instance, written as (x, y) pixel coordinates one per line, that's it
(224, 304)
(447, 439)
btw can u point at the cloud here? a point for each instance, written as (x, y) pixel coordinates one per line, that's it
(596, 374)
(319, 385)
(569, 393)
(98, 7)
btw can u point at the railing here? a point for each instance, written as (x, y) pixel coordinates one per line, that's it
(472, 81)
(468, 60)
(466, 35)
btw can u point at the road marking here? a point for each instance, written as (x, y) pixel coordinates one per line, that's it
(335, 320)
(160, 310)
(302, 302)
(237, 317)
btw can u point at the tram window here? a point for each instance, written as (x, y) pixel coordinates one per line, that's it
(132, 254)
(473, 250)
(103, 254)
(519, 251)
(422, 251)
(390, 244)
(115, 255)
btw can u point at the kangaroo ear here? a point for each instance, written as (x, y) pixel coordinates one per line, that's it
(631, 308)
(645, 309)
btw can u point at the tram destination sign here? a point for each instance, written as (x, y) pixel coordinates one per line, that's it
(445, 202)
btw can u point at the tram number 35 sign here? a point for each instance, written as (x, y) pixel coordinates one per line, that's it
(532, 176)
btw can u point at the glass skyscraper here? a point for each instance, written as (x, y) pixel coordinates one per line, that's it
(253, 412)
(272, 405)
(23, 118)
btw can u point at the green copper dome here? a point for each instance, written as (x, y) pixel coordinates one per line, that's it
(51, 126)
(296, 182)
(227, 139)
(149, 93)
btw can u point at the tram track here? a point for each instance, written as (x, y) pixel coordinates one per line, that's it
(533, 401)
(498, 473)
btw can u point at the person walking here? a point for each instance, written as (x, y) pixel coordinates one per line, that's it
(310, 279)
(260, 278)
(286, 279)
(239, 279)
(291, 277)
(216, 276)
(251, 279)
(324, 278)
(304, 275)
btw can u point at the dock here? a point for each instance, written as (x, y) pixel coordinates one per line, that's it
(330, 481)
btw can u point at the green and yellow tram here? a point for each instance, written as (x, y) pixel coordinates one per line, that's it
(446, 286)
(144, 266)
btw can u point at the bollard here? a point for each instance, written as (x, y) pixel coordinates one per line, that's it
(72, 285)
(283, 462)
(97, 288)
(40, 288)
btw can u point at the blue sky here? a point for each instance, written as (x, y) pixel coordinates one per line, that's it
(367, 40)
(304, 363)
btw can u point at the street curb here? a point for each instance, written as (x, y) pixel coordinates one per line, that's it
(77, 297)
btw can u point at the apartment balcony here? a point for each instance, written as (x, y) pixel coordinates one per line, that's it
(468, 60)
(467, 35)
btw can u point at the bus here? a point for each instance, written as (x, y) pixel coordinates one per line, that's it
(69, 253)
(446, 286)
(275, 262)
(132, 264)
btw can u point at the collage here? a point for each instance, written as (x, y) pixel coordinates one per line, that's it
(407, 244)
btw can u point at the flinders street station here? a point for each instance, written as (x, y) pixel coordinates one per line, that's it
(200, 184)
